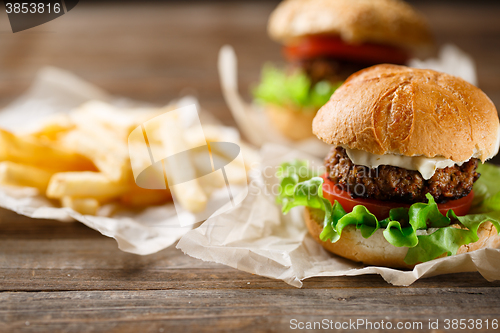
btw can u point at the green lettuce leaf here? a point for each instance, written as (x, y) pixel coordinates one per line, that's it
(401, 228)
(443, 240)
(329, 230)
(292, 89)
(399, 236)
(486, 189)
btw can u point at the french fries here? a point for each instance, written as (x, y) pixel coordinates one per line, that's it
(84, 185)
(139, 197)
(32, 152)
(180, 167)
(109, 155)
(84, 206)
(108, 117)
(24, 175)
(53, 127)
(91, 159)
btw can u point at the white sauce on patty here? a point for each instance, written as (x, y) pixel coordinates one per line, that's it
(426, 166)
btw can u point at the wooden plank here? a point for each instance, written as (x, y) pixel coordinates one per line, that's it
(243, 309)
(214, 277)
(46, 255)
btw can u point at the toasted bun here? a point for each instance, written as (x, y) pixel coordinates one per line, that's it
(389, 109)
(376, 251)
(293, 124)
(391, 22)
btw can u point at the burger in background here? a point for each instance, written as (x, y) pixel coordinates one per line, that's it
(407, 151)
(325, 41)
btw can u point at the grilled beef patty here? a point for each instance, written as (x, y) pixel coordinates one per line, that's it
(395, 184)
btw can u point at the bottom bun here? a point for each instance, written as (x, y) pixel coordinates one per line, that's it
(376, 251)
(295, 125)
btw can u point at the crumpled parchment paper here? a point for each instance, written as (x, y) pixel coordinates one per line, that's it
(258, 239)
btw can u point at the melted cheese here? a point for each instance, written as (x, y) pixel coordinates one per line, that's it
(426, 166)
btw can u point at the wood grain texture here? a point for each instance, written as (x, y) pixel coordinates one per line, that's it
(65, 277)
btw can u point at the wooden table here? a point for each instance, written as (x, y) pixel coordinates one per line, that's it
(65, 277)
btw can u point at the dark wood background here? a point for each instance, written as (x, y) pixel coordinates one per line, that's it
(156, 51)
(65, 277)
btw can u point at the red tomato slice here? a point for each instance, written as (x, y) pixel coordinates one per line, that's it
(381, 208)
(317, 46)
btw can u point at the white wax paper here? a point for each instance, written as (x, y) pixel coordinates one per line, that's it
(137, 231)
(258, 239)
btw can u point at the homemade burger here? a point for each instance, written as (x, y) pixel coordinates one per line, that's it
(325, 41)
(406, 146)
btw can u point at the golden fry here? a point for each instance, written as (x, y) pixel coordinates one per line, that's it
(30, 151)
(120, 122)
(139, 197)
(24, 175)
(84, 206)
(53, 127)
(190, 195)
(84, 185)
(109, 154)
